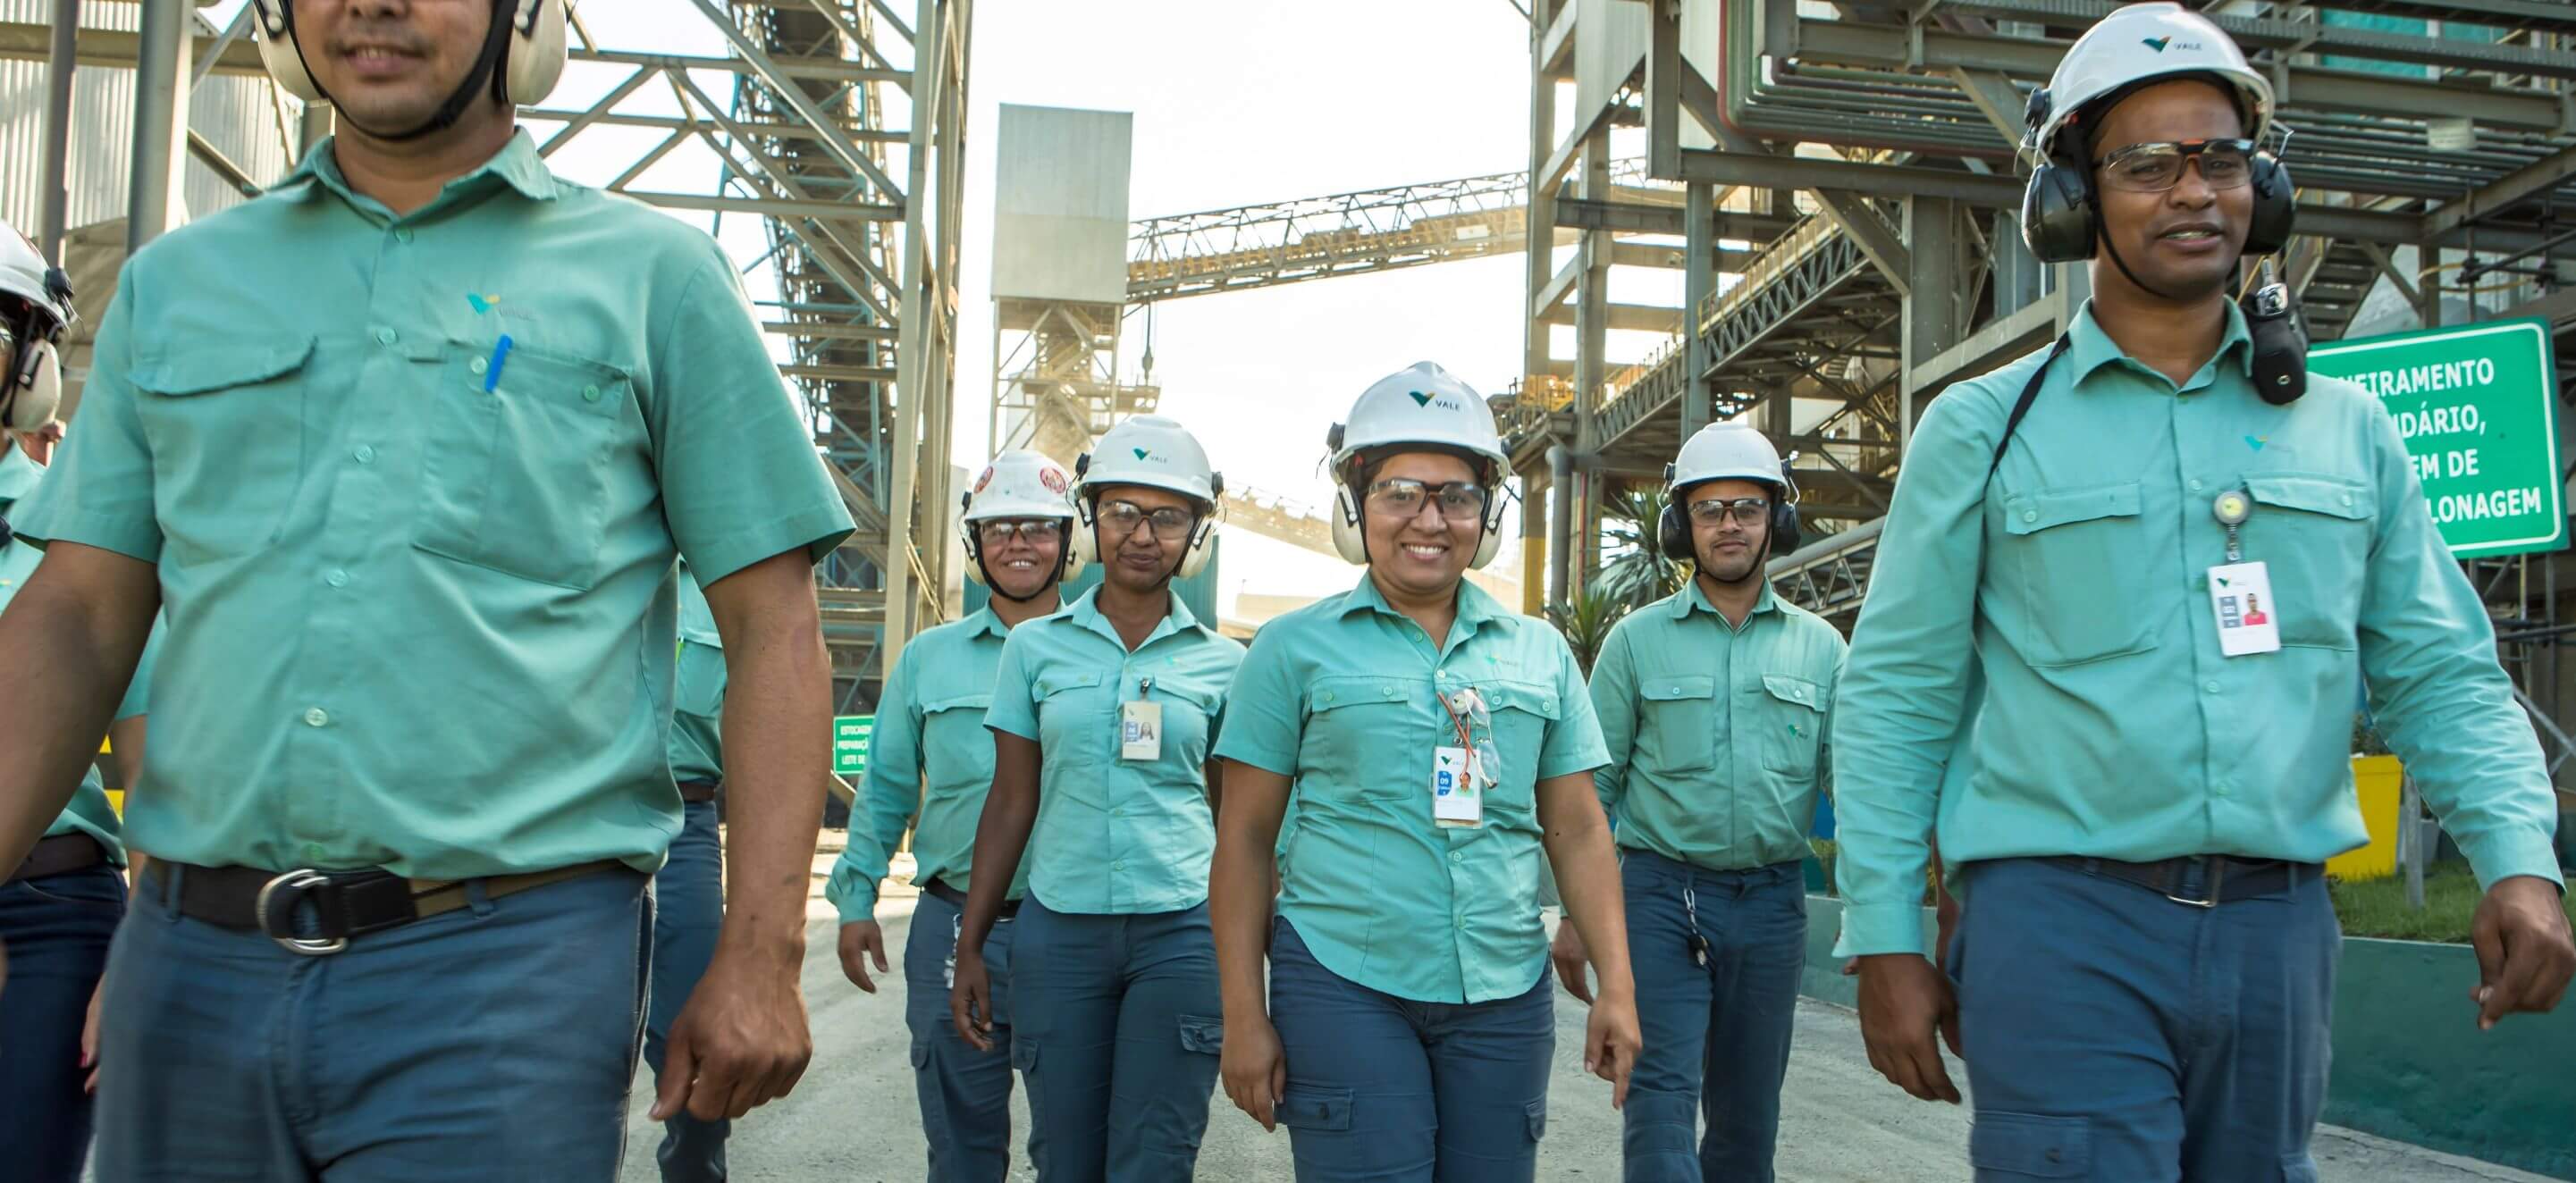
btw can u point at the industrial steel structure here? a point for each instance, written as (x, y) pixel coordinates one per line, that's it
(1849, 245)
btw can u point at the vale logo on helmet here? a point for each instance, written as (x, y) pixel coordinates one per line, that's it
(1424, 400)
(2161, 44)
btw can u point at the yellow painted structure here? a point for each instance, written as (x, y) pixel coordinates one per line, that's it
(2378, 781)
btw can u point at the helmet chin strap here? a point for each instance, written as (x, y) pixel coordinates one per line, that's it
(485, 75)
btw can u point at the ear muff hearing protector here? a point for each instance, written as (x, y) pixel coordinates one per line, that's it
(1673, 531)
(35, 391)
(522, 58)
(2061, 213)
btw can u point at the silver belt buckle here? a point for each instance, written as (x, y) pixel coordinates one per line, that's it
(2212, 868)
(295, 883)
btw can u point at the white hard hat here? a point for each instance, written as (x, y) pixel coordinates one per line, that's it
(1156, 452)
(31, 390)
(528, 60)
(2136, 44)
(1728, 450)
(1019, 484)
(1421, 405)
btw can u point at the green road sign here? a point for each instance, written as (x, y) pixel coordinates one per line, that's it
(2478, 406)
(850, 743)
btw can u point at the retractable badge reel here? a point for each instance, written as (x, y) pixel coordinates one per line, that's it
(2240, 593)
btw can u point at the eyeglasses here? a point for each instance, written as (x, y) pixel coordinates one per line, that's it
(1170, 523)
(999, 532)
(1459, 501)
(1747, 511)
(2154, 168)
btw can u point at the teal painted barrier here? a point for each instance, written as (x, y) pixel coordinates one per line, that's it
(2409, 1061)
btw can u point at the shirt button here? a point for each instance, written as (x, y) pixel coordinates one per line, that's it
(2347, 498)
(1457, 856)
(1328, 696)
(2211, 687)
(2223, 789)
(365, 454)
(1392, 692)
(2030, 515)
(385, 336)
(478, 365)
(316, 717)
(2196, 486)
(590, 394)
(1462, 924)
(337, 578)
(1118, 865)
(403, 235)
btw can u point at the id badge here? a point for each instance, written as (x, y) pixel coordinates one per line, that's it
(2240, 597)
(1457, 793)
(1140, 730)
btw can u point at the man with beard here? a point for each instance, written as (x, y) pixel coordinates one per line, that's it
(2137, 813)
(406, 448)
(1713, 702)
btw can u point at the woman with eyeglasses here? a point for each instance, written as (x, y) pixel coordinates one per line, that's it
(1101, 718)
(1435, 744)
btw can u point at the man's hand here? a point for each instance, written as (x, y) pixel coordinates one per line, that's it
(1903, 998)
(970, 1000)
(1254, 1068)
(861, 939)
(742, 1040)
(1572, 962)
(1610, 1042)
(2525, 955)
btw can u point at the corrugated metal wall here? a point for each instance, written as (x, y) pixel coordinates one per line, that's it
(233, 113)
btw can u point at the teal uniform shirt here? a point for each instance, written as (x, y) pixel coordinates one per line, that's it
(1716, 733)
(89, 812)
(2074, 582)
(1116, 836)
(1340, 697)
(697, 713)
(430, 573)
(930, 764)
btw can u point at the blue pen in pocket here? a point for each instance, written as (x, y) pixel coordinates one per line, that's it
(492, 371)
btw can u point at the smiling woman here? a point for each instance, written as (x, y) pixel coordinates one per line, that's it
(1435, 743)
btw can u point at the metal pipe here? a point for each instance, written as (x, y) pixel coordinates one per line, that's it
(55, 221)
(1560, 524)
(160, 114)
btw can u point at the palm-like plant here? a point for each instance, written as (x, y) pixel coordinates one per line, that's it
(1637, 572)
(1585, 619)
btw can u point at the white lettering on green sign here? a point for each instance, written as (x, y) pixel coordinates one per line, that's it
(2478, 409)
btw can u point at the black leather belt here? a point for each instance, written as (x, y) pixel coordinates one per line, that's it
(957, 899)
(693, 792)
(2203, 881)
(345, 903)
(61, 854)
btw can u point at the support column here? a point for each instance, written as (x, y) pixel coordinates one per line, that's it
(55, 220)
(1699, 281)
(160, 120)
(1936, 306)
(1560, 524)
(1540, 254)
(1534, 549)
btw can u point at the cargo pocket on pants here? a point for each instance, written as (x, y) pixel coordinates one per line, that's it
(1203, 1035)
(921, 1055)
(1317, 1109)
(2031, 1145)
(1535, 1116)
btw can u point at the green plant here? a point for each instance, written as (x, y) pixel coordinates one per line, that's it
(2366, 740)
(1825, 850)
(1637, 571)
(1585, 620)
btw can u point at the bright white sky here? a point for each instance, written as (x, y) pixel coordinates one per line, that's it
(1261, 103)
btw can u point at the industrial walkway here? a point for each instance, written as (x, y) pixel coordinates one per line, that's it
(854, 1120)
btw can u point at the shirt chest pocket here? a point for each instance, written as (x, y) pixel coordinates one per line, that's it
(2312, 534)
(517, 466)
(1187, 712)
(225, 421)
(1368, 736)
(1076, 721)
(1792, 715)
(1681, 720)
(952, 732)
(1523, 713)
(2062, 561)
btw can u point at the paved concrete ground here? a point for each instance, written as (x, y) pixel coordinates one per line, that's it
(854, 1118)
